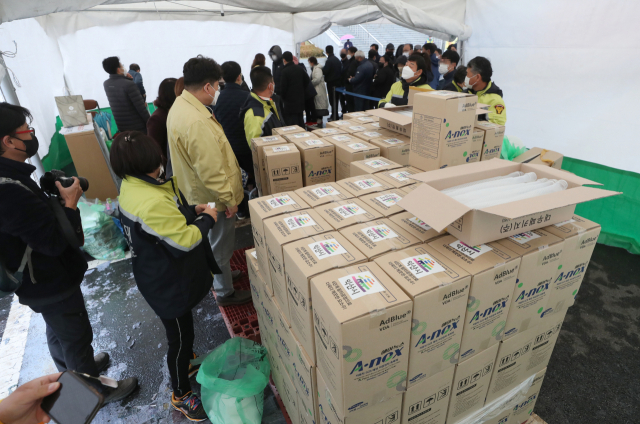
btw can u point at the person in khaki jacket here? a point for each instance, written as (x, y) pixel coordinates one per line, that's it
(206, 166)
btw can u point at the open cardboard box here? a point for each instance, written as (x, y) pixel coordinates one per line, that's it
(475, 227)
(390, 119)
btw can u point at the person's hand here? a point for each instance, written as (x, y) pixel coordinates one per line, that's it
(23, 405)
(70, 195)
(389, 105)
(200, 209)
(231, 211)
(213, 212)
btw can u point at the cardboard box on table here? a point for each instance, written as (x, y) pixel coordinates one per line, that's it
(363, 185)
(321, 194)
(538, 156)
(347, 212)
(541, 253)
(362, 323)
(428, 402)
(284, 170)
(439, 290)
(386, 201)
(283, 229)
(493, 270)
(393, 146)
(341, 139)
(415, 226)
(372, 166)
(385, 412)
(259, 168)
(378, 237)
(304, 259)
(396, 119)
(352, 152)
(326, 132)
(304, 379)
(318, 160)
(493, 137)
(480, 226)
(290, 129)
(399, 178)
(580, 237)
(267, 207)
(299, 136)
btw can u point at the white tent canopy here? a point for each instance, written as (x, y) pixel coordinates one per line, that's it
(553, 59)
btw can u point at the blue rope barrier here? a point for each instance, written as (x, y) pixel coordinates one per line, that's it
(349, 93)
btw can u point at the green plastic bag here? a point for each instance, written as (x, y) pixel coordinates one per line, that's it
(233, 378)
(102, 238)
(512, 147)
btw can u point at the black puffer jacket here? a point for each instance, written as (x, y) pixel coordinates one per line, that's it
(127, 105)
(293, 86)
(333, 71)
(26, 218)
(227, 112)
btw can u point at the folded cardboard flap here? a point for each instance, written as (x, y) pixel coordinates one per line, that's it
(392, 115)
(436, 209)
(543, 171)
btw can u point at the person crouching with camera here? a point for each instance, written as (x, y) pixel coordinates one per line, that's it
(173, 264)
(54, 265)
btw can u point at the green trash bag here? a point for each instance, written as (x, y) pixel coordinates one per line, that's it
(102, 238)
(233, 377)
(512, 147)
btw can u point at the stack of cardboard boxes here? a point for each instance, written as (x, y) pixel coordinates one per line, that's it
(372, 316)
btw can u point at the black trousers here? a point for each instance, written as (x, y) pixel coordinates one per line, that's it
(310, 110)
(246, 163)
(180, 337)
(360, 104)
(331, 89)
(69, 334)
(294, 119)
(350, 103)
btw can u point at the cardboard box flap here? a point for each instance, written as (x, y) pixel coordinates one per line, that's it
(542, 203)
(557, 174)
(395, 117)
(482, 106)
(499, 167)
(436, 209)
(481, 111)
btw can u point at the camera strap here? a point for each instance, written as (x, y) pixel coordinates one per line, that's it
(65, 225)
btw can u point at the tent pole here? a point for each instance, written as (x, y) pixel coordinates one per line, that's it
(10, 95)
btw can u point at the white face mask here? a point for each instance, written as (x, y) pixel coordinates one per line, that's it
(349, 56)
(443, 68)
(407, 73)
(467, 83)
(274, 57)
(161, 173)
(213, 98)
(405, 54)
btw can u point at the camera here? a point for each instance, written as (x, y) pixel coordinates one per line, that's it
(48, 182)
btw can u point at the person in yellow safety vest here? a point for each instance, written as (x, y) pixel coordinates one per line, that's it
(262, 112)
(457, 83)
(415, 74)
(478, 81)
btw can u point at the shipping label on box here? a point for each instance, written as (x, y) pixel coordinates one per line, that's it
(259, 166)
(354, 115)
(477, 143)
(284, 229)
(326, 132)
(299, 136)
(302, 260)
(318, 159)
(399, 178)
(382, 413)
(493, 137)
(395, 147)
(348, 212)
(283, 168)
(523, 410)
(470, 384)
(415, 226)
(494, 270)
(541, 253)
(372, 166)
(321, 194)
(368, 135)
(378, 237)
(305, 381)
(580, 237)
(362, 323)
(352, 152)
(547, 333)
(428, 402)
(439, 290)
(385, 202)
(342, 139)
(291, 129)
(363, 185)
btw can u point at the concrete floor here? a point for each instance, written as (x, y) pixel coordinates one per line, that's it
(593, 374)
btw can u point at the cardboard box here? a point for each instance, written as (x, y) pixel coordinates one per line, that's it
(326, 132)
(541, 253)
(413, 91)
(395, 147)
(342, 139)
(304, 379)
(318, 160)
(354, 115)
(480, 226)
(372, 166)
(385, 202)
(378, 237)
(283, 168)
(352, 152)
(470, 384)
(368, 135)
(493, 269)
(513, 359)
(288, 130)
(522, 411)
(428, 402)
(385, 412)
(340, 124)
(362, 322)
(285, 342)
(547, 333)
(321, 194)
(267, 207)
(442, 127)
(399, 178)
(289, 398)
(415, 226)
(259, 167)
(439, 290)
(299, 136)
(477, 143)
(538, 156)
(302, 260)
(267, 313)
(373, 126)
(283, 229)
(397, 119)
(580, 237)
(355, 127)
(493, 137)
(347, 212)
(363, 185)
(363, 120)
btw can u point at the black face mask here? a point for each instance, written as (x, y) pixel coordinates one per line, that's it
(343, 55)
(31, 146)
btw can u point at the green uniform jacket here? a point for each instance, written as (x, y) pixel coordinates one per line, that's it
(261, 116)
(492, 96)
(398, 95)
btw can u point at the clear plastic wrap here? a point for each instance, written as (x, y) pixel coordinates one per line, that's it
(451, 190)
(486, 185)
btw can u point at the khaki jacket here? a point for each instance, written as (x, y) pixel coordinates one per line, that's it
(201, 155)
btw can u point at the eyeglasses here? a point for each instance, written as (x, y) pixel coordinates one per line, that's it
(30, 130)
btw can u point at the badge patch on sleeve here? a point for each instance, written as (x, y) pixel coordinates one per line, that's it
(499, 109)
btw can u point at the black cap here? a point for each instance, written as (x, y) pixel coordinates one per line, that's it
(390, 47)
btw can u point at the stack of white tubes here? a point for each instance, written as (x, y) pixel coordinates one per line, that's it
(498, 190)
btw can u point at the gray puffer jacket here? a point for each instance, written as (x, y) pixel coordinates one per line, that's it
(128, 108)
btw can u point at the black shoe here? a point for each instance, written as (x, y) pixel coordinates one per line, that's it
(102, 361)
(125, 388)
(236, 274)
(190, 405)
(241, 215)
(238, 297)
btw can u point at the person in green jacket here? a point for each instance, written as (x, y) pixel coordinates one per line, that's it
(478, 81)
(416, 73)
(263, 109)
